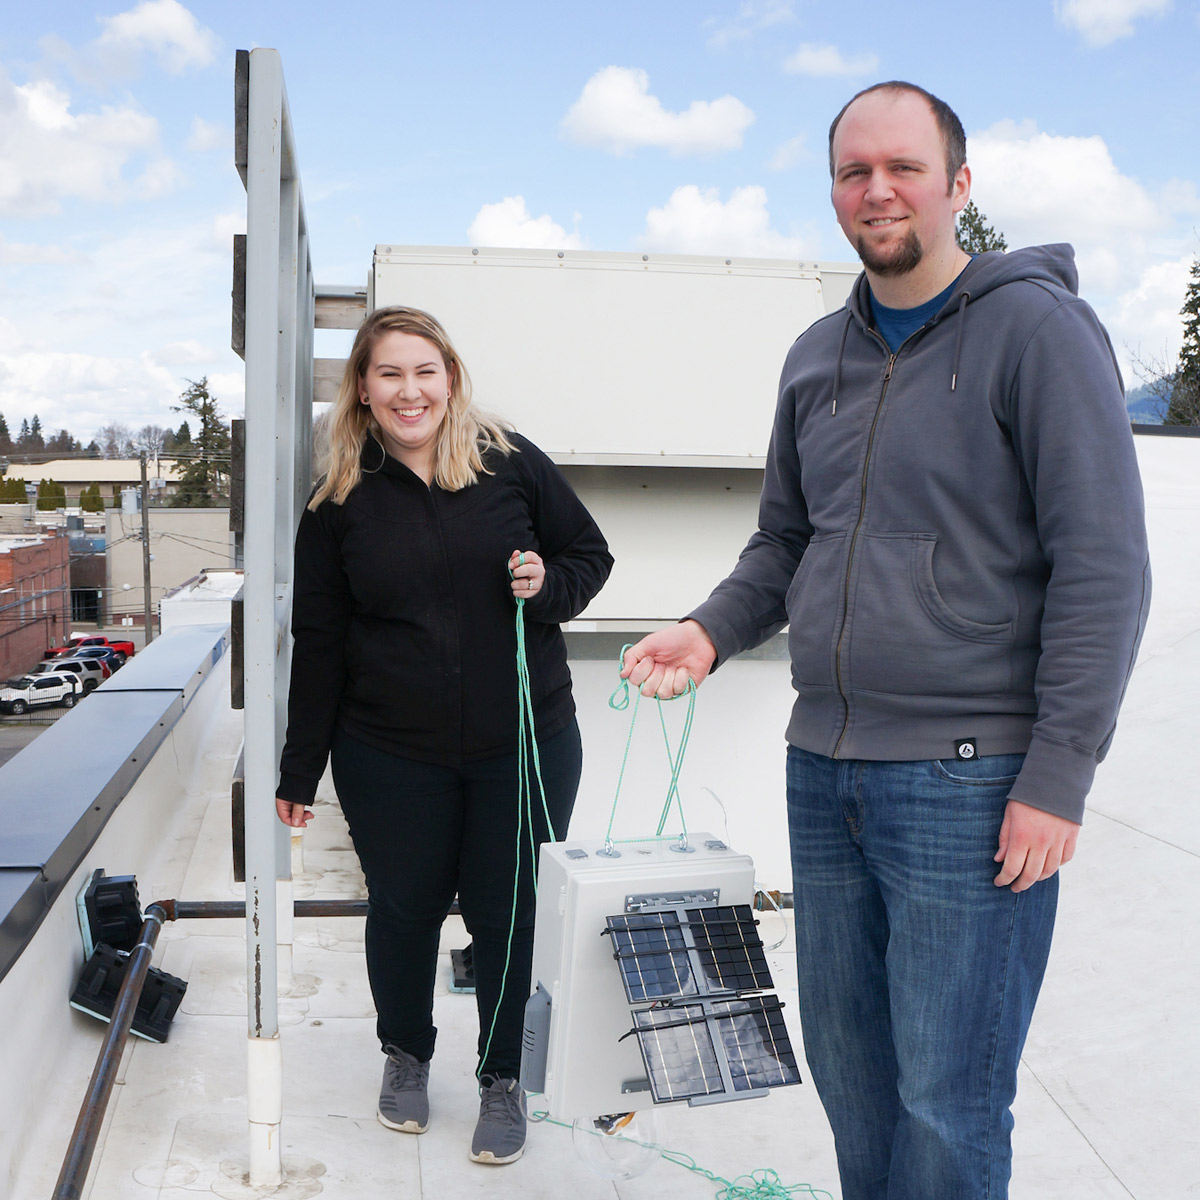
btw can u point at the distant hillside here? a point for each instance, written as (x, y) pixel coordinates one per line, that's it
(1143, 407)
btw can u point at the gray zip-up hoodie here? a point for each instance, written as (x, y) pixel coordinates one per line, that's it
(954, 533)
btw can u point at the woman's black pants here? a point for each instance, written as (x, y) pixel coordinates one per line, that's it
(424, 833)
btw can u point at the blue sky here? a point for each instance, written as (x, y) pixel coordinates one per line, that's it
(693, 127)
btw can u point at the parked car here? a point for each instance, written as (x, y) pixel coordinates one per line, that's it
(102, 654)
(77, 641)
(35, 691)
(88, 671)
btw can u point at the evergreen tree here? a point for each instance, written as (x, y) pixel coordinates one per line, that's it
(1184, 408)
(51, 495)
(23, 436)
(6, 444)
(974, 234)
(204, 481)
(63, 443)
(92, 449)
(90, 499)
(36, 441)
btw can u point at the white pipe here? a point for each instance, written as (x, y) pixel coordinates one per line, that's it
(264, 1105)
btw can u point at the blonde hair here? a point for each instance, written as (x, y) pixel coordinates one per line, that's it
(463, 437)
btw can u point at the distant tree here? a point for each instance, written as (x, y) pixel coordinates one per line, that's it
(6, 444)
(116, 441)
(152, 439)
(975, 235)
(1172, 390)
(36, 440)
(63, 443)
(1184, 406)
(204, 481)
(92, 449)
(23, 436)
(90, 499)
(181, 437)
(51, 495)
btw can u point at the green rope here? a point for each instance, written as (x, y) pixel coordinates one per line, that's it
(527, 753)
(619, 702)
(762, 1184)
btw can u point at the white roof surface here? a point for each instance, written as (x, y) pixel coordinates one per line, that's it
(1109, 1081)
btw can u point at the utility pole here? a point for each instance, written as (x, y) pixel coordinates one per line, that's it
(146, 618)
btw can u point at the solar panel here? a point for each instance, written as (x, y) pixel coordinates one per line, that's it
(709, 1034)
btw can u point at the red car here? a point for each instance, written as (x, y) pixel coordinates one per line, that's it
(81, 641)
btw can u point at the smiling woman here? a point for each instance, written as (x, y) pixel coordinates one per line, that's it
(407, 388)
(431, 523)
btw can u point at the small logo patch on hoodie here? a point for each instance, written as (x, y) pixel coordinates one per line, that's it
(965, 749)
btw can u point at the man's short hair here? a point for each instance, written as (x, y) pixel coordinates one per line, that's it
(954, 140)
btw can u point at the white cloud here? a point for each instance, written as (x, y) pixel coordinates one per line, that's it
(208, 135)
(1132, 250)
(510, 223)
(83, 392)
(31, 253)
(163, 28)
(752, 16)
(616, 112)
(826, 62)
(1040, 187)
(1145, 322)
(160, 178)
(146, 308)
(793, 151)
(697, 221)
(1101, 22)
(48, 153)
(183, 354)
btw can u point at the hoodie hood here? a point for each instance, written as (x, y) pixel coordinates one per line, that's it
(1051, 266)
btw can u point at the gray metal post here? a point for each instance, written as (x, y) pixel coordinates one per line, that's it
(279, 304)
(147, 622)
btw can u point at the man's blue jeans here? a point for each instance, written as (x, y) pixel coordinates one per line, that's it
(918, 976)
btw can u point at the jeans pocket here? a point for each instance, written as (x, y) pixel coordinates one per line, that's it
(989, 770)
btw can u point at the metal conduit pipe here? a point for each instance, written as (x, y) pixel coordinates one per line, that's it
(91, 1115)
(186, 910)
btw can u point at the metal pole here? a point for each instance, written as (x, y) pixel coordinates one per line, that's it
(266, 840)
(189, 910)
(91, 1115)
(146, 619)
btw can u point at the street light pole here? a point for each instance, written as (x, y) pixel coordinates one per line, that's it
(146, 619)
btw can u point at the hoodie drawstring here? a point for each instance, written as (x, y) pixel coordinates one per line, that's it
(962, 304)
(837, 371)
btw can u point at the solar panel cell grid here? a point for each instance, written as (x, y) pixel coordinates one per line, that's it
(684, 1046)
(678, 1052)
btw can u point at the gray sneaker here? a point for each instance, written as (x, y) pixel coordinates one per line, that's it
(404, 1096)
(500, 1133)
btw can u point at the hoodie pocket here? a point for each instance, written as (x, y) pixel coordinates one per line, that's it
(906, 638)
(814, 605)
